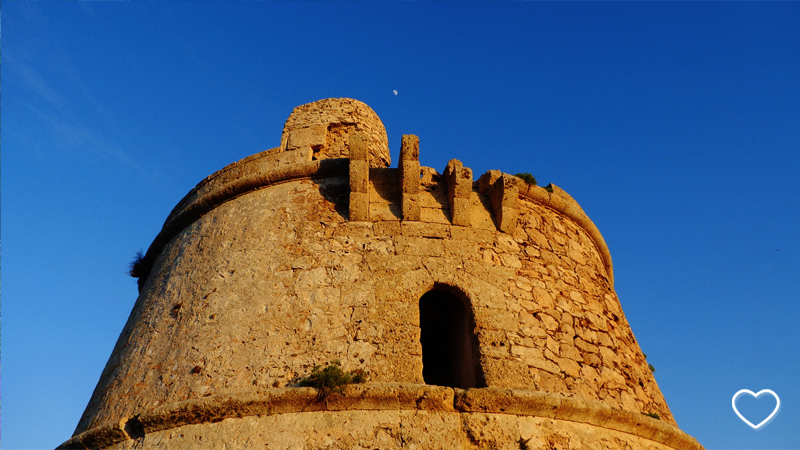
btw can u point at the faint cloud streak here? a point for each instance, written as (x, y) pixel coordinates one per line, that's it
(75, 136)
(33, 81)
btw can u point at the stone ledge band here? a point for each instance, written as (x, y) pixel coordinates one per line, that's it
(385, 397)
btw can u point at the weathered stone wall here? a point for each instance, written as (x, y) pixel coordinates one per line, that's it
(260, 289)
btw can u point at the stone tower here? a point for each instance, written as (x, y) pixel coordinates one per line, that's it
(482, 309)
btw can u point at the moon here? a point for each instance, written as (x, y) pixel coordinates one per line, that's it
(395, 92)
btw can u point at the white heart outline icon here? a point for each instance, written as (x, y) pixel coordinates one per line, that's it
(768, 391)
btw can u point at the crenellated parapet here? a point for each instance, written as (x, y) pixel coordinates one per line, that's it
(407, 193)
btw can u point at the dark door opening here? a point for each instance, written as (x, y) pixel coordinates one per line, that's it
(449, 346)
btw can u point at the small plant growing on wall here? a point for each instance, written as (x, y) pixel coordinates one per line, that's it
(135, 267)
(649, 366)
(331, 379)
(526, 177)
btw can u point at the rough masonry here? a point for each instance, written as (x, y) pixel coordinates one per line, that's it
(317, 251)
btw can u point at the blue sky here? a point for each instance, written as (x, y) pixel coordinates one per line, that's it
(676, 126)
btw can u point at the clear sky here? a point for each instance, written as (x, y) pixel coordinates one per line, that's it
(676, 126)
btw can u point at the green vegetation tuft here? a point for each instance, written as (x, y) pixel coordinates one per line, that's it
(653, 415)
(526, 177)
(135, 267)
(649, 366)
(331, 379)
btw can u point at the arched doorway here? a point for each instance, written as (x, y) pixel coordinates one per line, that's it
(449, 346)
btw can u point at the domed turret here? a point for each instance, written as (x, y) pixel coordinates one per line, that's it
(322, 130)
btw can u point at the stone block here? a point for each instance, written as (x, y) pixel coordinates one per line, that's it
(459, 179)
(387, 228)
(506, 244)
(460, 211)
(409, 148)
(548, 321)
(463, 233)
(421, 229)
(359, 176)
(576, 409)
(569, 367)
(386, 193)
(585, 346)
(294, 156)
(452, 169)
(487, 180)
(358, 148)
(526, 352)
(481, 218)
(502, 320)
(461, 248)
(432, 199)
(543, 364)
(359, 206)
(313, 137)
(419, 246)
(504, 192)
(383, 211)
(611, 379)
(506, 219)
(538, 404)
(605, 340)
(409, 173)
(510, 190)
(495, 193)
(507, 372)
(463, 189)
(557, 203)
(511, 261)
(569, 351)
(434, 215)
(459, 192)
(410, 206)
(587, 334)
